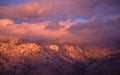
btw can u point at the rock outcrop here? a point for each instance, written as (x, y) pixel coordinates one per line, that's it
(54, 47)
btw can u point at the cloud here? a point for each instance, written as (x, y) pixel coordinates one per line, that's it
(94, 30)
(60, 9)
(32, 31)
(6, 22)
(55, 19)
(23, 11)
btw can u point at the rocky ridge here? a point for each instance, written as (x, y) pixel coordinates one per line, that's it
(21, 57)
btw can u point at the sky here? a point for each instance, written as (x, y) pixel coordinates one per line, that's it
(69, 20)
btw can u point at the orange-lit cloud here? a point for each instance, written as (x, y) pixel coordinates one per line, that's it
(6, 22)
(56, 19)
(60, 9)
(9, 29)
(96, 29)
(24, 11)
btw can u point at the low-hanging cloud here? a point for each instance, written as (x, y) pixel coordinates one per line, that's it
(34, 31)
(96, 29)
(83, 21)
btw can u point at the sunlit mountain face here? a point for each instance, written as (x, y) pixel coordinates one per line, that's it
(59, 37)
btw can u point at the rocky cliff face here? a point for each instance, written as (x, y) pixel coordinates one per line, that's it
(21, 57)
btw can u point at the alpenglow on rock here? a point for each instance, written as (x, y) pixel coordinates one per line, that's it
(21, 57)
(54, 47)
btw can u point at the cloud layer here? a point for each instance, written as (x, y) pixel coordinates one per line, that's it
(83, 21)
(96, 29)
(61, 9)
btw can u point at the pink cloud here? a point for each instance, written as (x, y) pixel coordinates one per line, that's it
(60, 9)
(43, 9)
(5, 22)
(96, 29)
(30, 31)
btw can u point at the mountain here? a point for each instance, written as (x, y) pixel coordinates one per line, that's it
(24, 57)
(108, 66)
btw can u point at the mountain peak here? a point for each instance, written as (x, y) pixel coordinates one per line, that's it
(14, 40)
(54, 47)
